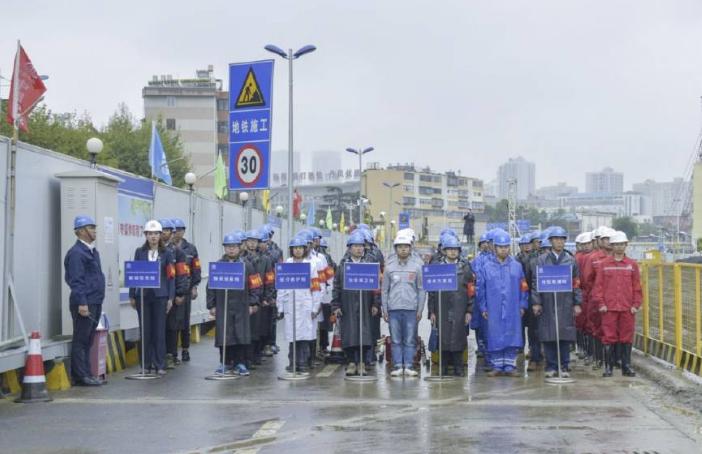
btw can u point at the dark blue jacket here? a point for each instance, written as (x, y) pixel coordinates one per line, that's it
(168, 273)
(84, 275)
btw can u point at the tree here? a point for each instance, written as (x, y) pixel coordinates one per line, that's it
(627, 225)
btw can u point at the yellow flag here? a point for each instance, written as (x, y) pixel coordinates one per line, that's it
(342, 224)
(266, 200)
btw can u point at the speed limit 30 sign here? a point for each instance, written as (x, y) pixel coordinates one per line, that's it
(250, 101)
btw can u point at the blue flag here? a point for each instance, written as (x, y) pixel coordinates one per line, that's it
(157, 157)
(311, 214)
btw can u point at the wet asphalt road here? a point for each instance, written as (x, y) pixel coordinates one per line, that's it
(185, 413)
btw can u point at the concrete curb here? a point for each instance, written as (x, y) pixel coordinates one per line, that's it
(669, 378)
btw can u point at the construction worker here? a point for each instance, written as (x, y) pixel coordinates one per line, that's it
(83, 274)
(157, 301)
(307, 308)
(276, 256)
(617, 296)
(456, 308)
(477, 323)
(267, 322)
(544, 306)
(241, 304)
(176, 316)
(192, 260)
(543, 245)
(345, 304)
(583, 244)
(260, 320)
(325, 325)
(502, 296)
(403, 303)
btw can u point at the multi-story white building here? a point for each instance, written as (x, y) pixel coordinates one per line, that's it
(605, 182)
(664, 198)
(521, 170)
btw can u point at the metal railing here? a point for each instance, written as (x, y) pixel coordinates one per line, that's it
(669, 325)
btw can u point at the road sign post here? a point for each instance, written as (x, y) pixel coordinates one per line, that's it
(250, 101)
(225, 276)
(293, 276)
(142, 275)
(361, 276)
(439, 278)
(555, 279)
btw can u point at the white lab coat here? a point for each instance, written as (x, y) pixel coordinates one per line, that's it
(307, 303)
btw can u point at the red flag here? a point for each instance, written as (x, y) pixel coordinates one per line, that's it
(30, 88)
(297, 202)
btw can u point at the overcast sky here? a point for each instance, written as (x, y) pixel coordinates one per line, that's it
(571, 85)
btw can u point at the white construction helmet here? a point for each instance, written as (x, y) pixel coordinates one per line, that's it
(407, 232)
(402, 239)
(583, 238)
(607, 232)
(618, 237)
(153, 226)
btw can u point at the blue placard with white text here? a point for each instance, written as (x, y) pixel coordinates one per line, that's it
(142, 274)
(227, 276)
(554, 278)
(404, 220)
(440, 277)
(292, 276)
(250, 103)
(361, 276)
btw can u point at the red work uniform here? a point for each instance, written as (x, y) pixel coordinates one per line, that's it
(581, 320)
(590, 269)
(618, 288)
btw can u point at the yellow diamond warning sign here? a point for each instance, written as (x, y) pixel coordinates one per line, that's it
(250, 94)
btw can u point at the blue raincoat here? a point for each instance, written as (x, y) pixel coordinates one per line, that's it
(476, 322)
(501, 292)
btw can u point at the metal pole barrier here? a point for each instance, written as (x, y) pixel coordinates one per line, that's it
(142, 375)
(223, 375)
(294, 376)
(560, 379)
(440, 377)
(360, 378)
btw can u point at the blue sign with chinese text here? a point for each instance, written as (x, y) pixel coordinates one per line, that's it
(142, 274)
(361, 276)
(250, 102)
(404, 220)
(554, 278)
(227, 276)
(292, 276)
(439, 277)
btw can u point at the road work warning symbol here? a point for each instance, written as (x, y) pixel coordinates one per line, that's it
(250, 94)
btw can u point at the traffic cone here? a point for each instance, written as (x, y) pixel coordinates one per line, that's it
(34, 381)
(336, 354)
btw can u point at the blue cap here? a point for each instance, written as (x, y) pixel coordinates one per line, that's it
(166, 224)
(450, 242)
(178, 223)
(298, 241)
(502, 239)
(232, 239)
(557, 232)
(82, 221)
(357, 237)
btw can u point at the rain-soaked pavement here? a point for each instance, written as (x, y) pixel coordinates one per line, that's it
(325, 414)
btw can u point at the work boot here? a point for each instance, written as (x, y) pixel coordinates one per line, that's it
(267, 351)
(627, 371)
(617, 356)
(185, 355)
(351, 369)
(170, 362)
(362, 368)
(608, 361)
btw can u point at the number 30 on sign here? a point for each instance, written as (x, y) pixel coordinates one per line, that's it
(248, 165)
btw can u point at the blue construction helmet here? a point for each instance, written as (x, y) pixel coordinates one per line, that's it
(525, 239)
(368, 236)
(323, 243)
(363, 227)
(316, 233)
(357, 237)
(253, 235)
(448, 231)
(82, 221)
(306, 234)
(450, 242)
(502, 239)
(557, 232)
(178, 223)
(166, 224)
(269, 230)
(536, 235)
(297, 242)
(232, 239)
(545, 243)
(483, 238)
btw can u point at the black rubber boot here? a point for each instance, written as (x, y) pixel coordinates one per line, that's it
(597, 354)
(627, 371)
(617, 356)
(607, 361)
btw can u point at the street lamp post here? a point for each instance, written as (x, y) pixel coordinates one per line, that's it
(290, 56)
(391, 186)
(94, 146)
(360, 152)
(244, 197)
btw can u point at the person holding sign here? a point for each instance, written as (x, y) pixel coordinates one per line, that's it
(456, 308)
(403, 303)
(157, 301)
(345, 305)
(83, 274)
(617, 296)
(551, 327)
(307, 308)
(502, 295)
(240, 305)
